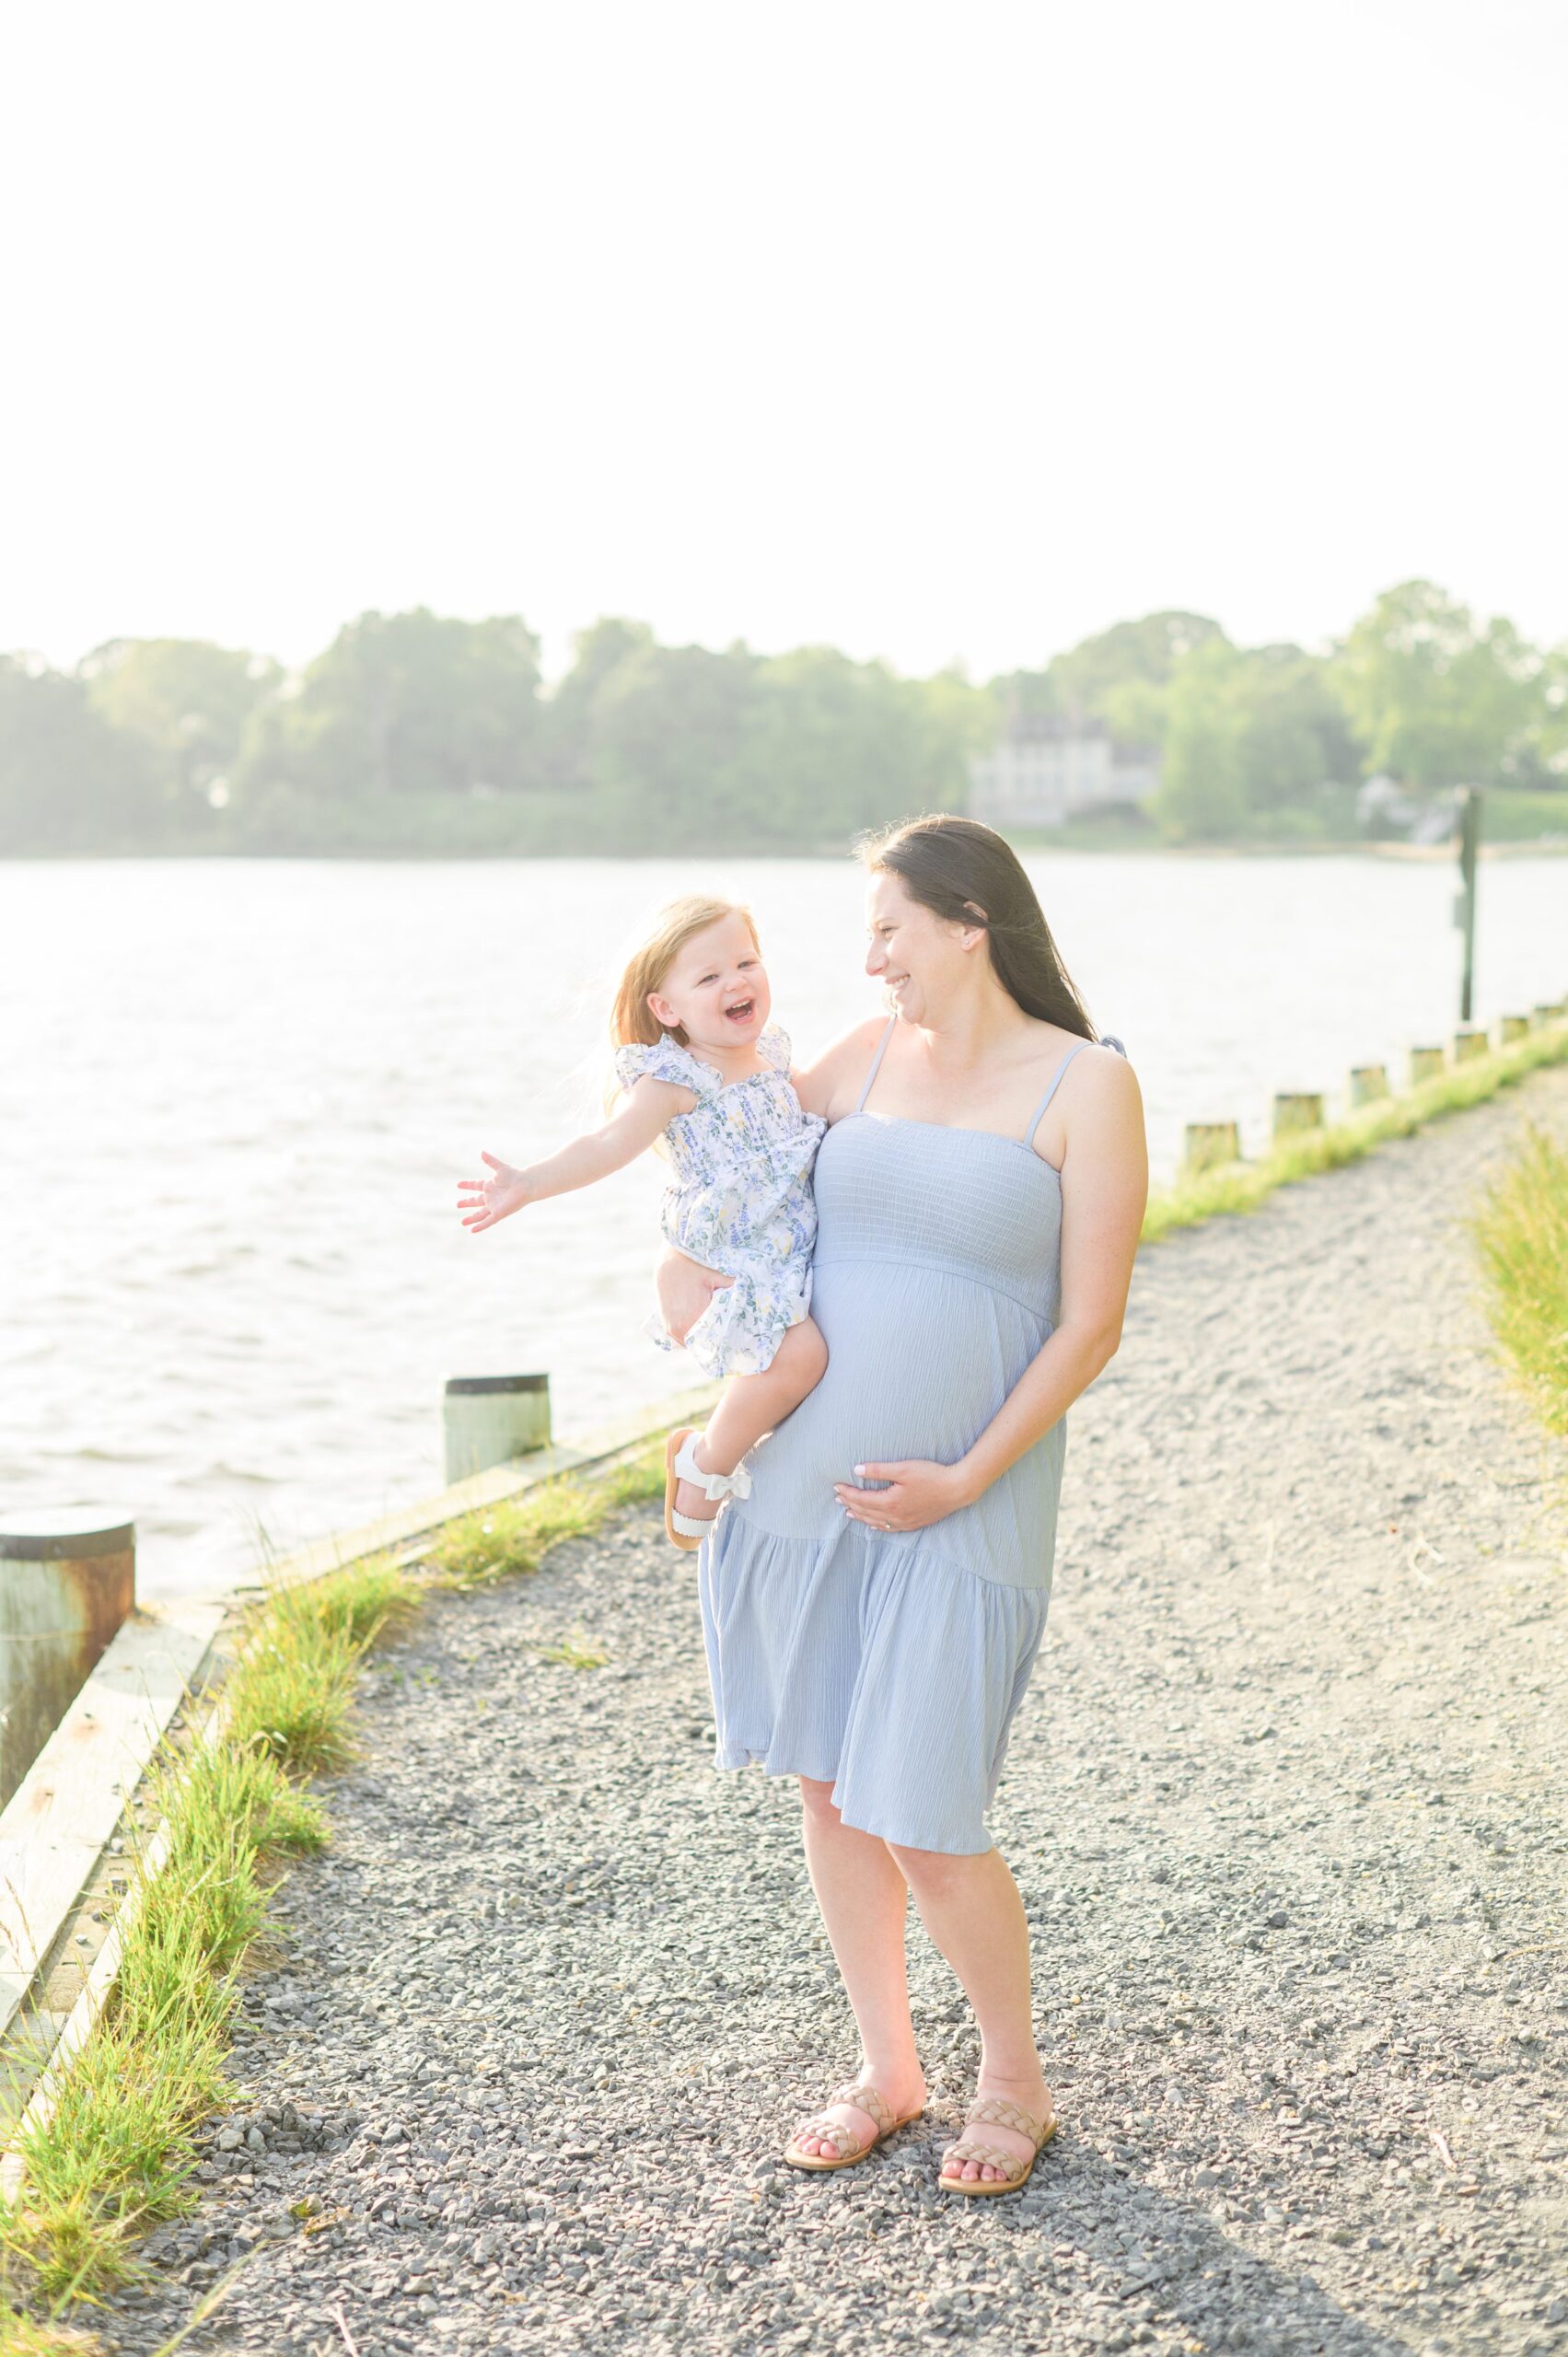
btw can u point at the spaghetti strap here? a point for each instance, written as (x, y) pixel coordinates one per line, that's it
(875, 1061)
(1055, 1078)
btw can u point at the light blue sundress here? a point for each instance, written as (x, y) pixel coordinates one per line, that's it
(887, 1664)
(740, 1200)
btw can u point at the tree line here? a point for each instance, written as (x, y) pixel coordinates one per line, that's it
(419, 733)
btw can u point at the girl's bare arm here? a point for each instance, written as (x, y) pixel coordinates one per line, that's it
(644, 1115)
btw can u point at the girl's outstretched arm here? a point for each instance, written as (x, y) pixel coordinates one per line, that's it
(645, 1115)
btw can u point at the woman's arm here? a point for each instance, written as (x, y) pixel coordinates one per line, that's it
(1104, 1185)
(644, 1115)
(831, 1085)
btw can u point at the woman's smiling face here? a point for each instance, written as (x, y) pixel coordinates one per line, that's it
(918, 957)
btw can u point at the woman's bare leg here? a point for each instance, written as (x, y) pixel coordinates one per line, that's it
(864, 1904)
(971, 1908)
(752, 1405)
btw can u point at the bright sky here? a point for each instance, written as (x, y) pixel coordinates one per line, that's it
(926, 330)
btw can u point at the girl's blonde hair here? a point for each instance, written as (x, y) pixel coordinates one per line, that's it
(633, 1022)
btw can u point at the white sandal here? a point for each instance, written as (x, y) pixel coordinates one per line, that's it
(688, 1531)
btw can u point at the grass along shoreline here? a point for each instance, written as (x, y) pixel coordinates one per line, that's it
(113, 2155)
(1521, 1234)
(1233, 1187)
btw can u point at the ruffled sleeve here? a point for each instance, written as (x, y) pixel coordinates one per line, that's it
(1110, 1039)
(774, 1047)
(667, 1060)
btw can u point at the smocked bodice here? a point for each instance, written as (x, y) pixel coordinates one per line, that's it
(964, 1203)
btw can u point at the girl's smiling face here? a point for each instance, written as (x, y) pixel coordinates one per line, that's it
(918, 957)
(716, 990)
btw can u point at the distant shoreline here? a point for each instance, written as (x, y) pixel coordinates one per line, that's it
(1442, 854)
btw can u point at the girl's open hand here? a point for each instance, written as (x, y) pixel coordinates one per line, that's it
(918, 1492)
(482, 1201)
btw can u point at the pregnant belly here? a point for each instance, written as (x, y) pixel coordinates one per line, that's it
(918, 1365)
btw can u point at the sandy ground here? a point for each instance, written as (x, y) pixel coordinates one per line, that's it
(1286, 1802)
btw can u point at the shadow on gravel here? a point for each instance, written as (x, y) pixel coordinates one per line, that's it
(1188, 2272)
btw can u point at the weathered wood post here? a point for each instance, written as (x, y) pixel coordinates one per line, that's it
(1427, 1063)
(67, 1581)
(1552, 1010)
(1208, 1145)
(488, 1418)
(1511, 1027)
(1368, 1082)
(1293, 1114)
(1468, 1044)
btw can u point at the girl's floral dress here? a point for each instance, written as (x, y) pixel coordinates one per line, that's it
(740, 1200)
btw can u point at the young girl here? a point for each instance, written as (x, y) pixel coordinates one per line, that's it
(701, 1066)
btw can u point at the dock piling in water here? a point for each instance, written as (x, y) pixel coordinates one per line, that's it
(1468, 1044)
(1208, 1145)
(488, 1418)
(1426, 1063)
(1368, 1082)
(1296, 1113)
(67, 1583)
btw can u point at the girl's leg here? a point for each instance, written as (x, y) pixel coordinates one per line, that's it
(864, 1901)
(971, 1908)
(752, 1405)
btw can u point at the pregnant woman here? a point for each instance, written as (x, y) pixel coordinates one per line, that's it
(872, 1611)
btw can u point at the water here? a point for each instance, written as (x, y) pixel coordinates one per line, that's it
(238, 1097)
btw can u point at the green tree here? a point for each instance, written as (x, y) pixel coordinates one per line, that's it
(570, 714)
(665, 747)
(1203, 790)
(1123, 675)
(186, 702)
(1295, 734)
(405, 704)
(1436, 697)
(68, 781)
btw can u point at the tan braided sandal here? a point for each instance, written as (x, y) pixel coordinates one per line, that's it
(996, 2111)
(865, 2098)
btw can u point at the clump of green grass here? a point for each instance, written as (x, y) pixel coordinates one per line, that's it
(576, 1652)
(1521, 1234)
(1241, 1186)
(292, 1690)
(113, 2156)
(514, 1535)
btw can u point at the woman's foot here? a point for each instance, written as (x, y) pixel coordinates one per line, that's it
(903, 2091)
(1031, 2095)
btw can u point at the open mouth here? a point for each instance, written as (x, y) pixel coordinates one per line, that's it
(741, 1012)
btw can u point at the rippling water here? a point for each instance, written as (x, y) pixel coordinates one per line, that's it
(238, 1097)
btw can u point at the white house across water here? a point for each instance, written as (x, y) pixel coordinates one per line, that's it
(1044, 771)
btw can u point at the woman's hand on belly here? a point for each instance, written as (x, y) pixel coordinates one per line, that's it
(918, 1492)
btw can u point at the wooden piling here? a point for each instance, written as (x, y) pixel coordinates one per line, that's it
(1368, 1082)
(1294, 1113)
(1209, 1144)
(488, 1418)
(1468, 1044)
(1426, 1063)
(67, 1581)
(1512, 1026)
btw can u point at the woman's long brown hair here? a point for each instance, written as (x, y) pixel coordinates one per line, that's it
(966, 873)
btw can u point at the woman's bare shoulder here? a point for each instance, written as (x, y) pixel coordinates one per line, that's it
(841, 1065)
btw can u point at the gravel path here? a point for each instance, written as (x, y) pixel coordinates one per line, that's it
(1283, 1803)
